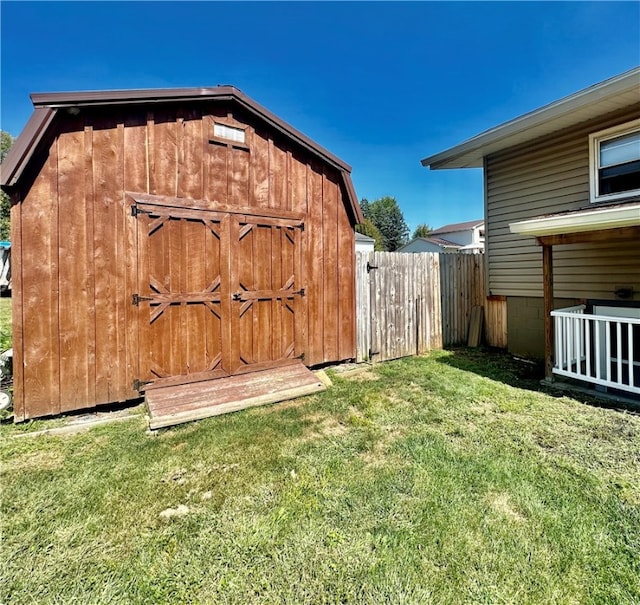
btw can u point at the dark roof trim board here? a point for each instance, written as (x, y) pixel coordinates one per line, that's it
(24, 146)
(47, 105)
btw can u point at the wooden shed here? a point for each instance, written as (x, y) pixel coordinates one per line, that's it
(171, 237)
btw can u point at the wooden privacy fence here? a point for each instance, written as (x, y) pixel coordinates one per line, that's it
(408, 304)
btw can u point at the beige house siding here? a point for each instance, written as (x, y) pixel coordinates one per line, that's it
(547, 176)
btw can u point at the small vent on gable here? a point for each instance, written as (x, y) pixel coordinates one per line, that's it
(231, 133)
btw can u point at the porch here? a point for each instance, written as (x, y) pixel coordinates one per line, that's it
(598, 344)
(597, 348)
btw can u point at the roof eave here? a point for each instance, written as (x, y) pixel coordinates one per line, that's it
(150, 95)
(470, 153)
(24, 146)
(597, 219)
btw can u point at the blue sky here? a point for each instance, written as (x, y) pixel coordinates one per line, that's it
(381, 85)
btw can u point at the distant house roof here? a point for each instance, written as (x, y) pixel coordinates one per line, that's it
(611, 95)
(441, 242)
(361, 237)
(453, 227)
(47, 106)
(436, 241)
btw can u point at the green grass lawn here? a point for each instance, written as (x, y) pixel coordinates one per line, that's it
(5, 324)
(441, 479)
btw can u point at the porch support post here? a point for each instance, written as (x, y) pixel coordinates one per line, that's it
(547, 279)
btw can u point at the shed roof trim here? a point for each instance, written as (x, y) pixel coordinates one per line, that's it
(613, 94)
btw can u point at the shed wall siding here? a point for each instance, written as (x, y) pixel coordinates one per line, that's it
(547, 176)
(78, 269)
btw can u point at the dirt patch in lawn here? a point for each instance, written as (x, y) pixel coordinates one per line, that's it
(501, 503)
(360, 375)
(45, 461)
(323, 426)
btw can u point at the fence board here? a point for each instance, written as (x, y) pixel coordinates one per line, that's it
(408, 304)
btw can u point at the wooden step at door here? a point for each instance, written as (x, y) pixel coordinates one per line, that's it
(196, 400)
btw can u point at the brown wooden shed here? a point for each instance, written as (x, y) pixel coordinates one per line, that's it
(164, 237)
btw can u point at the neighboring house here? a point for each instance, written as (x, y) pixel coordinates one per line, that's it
(562, 200)
(164, 238)
(467, 237)
(364, 243)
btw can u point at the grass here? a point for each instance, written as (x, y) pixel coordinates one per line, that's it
(440, 479)
(5, 324)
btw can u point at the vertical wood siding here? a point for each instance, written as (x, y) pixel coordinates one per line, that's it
(547, 176)
(75, 243)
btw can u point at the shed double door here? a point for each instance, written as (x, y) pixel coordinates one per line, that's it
(220, 293)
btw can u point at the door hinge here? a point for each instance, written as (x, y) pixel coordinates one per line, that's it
(369, 267)
(135, 211)
(300, 357)
(138, 385)
(300, 292)
(372, 353)
(136, 299)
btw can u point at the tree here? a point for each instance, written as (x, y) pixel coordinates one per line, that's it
(386, 215)
(422, 230)
(6, 140)
(368, 228)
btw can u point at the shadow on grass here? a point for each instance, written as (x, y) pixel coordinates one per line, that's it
(523, 374)
(497, 365)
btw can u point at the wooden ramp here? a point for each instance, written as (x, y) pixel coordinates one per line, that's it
(183, 403)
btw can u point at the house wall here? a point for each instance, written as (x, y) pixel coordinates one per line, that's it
(75, 330)
(547, 176)
(365, 245)
(464, 238)
(525, 324)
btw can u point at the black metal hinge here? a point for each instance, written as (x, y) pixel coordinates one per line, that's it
(369, 267)
(136, 299)
(138, 385)
(135, 211)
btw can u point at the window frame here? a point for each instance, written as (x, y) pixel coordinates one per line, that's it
(595, 140)
(213, 138)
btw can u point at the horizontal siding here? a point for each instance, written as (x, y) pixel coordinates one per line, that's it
(547, 176)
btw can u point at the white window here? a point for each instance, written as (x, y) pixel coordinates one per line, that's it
(614, 158)
(222, 131)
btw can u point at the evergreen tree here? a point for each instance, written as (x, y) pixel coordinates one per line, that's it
(422, 230)
(368, 228)
(386, 215)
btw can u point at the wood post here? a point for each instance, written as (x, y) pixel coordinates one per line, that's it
(547, 279)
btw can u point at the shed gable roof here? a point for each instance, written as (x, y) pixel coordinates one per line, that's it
(47, 106)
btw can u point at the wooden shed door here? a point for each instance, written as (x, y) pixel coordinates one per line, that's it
(268, 299)
(221, 293)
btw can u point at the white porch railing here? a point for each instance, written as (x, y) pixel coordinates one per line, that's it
(597, 348)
